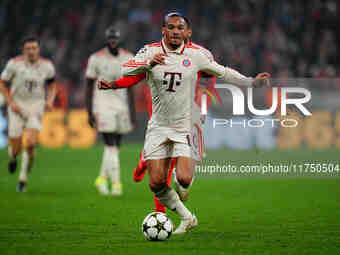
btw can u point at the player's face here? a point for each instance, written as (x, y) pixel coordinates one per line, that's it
(175, 31)
(31, 51)
(113, 43)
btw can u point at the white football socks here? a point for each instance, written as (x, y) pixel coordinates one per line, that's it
(25, 160)
(113, 164)
(116, 166)
(170, 199)
(104, 166)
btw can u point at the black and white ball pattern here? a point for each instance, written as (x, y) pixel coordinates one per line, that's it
(157, 227)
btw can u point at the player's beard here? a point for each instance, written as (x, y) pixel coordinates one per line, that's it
(113, 51)
(175, 46)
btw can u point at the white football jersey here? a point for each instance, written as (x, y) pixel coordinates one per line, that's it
(28, 80)
(103, 65)
(172, 85)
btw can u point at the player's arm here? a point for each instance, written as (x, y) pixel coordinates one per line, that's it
(4, 90)
(132, 109)
(144, 61)
(51, 93)
(6, 77)
(230, 75)
(123, 82)
(211, 78)
(91, 76)
(88, 101)
(51, 87)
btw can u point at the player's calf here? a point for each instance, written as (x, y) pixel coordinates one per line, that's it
(31, 154)
(27, 156)
(158, 170)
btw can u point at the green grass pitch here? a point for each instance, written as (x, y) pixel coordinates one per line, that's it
(62, 214)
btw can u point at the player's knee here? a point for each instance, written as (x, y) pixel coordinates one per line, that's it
(157, 185)
(184, 180)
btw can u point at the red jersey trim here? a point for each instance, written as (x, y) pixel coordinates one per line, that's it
(134, 63)
(184, 46)
(156, 44)
(101, 52)
(193, 47)
(18, 58)
(163, 48)
(44, 59)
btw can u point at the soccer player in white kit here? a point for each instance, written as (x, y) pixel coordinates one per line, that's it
(23, 83)
(111, 112)
(172, 69)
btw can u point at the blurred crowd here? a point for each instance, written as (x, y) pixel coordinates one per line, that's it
(286, 38)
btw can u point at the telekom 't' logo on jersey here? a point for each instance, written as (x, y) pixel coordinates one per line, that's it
(172, 79)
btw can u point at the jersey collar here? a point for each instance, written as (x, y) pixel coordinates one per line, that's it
(166, 50)
(35, 64)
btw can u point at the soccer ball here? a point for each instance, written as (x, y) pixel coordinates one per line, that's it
(157, 227)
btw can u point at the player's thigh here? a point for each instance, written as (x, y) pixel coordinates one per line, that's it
(15, 143)
(16, 125)
(158, 171)
(185, 169)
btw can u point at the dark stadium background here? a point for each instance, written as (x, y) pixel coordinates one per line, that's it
(285, 38)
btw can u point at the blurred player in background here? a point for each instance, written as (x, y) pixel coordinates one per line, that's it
(23, 84)
(172, 69)
(112, 113)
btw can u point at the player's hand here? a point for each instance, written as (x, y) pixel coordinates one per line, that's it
(104, 84)
(15, 108)
(158, 59)
(49, 106)
(262, 80)
(92, 120)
